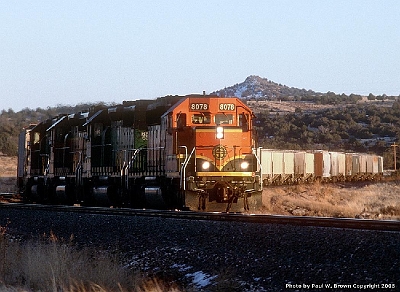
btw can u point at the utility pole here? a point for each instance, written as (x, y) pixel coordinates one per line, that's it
(394, 145)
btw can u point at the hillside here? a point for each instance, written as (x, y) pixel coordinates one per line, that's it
(257, 87)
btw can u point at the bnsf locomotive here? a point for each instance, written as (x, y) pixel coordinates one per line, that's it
(193, 152)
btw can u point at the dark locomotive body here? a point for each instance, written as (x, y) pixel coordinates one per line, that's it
(193, 152)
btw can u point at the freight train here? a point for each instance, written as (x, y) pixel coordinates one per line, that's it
(175, 152)
(194, 152)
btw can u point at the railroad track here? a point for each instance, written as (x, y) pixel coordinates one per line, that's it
(7, 196)
(385, 225)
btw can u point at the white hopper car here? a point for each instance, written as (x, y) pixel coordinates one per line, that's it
(290, 166)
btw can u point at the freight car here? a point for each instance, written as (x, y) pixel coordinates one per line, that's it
(183, 152)
(290, 166)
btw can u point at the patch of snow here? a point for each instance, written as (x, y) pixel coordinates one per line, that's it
(201, 279)
(181, 267)
(240, 89)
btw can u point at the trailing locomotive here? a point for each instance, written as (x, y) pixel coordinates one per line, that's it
(193, 152)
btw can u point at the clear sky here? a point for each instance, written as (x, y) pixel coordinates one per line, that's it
(69, 52)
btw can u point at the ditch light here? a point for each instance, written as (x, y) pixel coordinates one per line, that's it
(220, 132)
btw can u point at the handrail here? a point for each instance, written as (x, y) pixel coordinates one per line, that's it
(125, 170)
(259, 164)
(136, 152)
(78, 169)
(183, 168)
(133, 158)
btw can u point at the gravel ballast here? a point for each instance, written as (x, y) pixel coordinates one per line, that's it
(208, 255)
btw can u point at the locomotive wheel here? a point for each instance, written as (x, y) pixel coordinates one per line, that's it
(234, 198)
(202, 201)
(246, 202)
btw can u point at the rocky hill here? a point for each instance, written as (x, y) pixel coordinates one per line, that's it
(262, 88)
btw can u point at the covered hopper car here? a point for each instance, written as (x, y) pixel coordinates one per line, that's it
(290, 166)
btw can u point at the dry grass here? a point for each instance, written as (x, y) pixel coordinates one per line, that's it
(380, 200)
(8, 174)
(50, 265)
(8, 166)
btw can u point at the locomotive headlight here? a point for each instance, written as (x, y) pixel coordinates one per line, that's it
(220, 132)
(205, 165)
(244, 165)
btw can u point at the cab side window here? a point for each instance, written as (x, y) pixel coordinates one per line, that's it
(181, 121)
(244, 122)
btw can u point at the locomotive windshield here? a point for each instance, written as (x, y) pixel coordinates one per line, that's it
(202, 118)
(223, 119)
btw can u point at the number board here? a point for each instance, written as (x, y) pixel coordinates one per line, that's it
(226, 106)
(199, 107)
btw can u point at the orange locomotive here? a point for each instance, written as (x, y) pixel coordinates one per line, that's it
(209, 146)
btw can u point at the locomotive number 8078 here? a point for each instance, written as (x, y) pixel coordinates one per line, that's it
(192, 152)
(199, 107)
(226, 106)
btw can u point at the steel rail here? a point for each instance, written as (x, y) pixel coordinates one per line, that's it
(7, 195)
(346, 223)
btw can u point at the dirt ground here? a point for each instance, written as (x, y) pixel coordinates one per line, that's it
(363, 200)
(8, 174)
(351, 200)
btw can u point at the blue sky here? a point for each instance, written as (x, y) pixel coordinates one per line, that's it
(69, 52)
